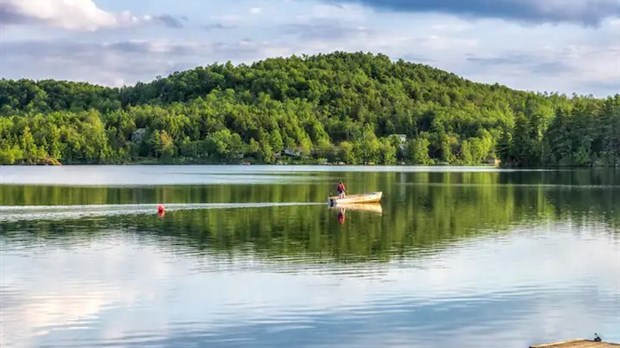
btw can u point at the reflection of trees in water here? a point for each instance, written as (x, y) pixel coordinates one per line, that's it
(420, 212)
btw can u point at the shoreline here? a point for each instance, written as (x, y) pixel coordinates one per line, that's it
(345, 166)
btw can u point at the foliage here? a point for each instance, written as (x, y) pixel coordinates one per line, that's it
(342, 107)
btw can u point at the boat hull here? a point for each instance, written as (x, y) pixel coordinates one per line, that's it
(365, 207)
(373, 197)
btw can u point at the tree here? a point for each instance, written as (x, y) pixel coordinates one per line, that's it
(29, 148)
(307, 104)
(346, 153)
(465, 154)
(10, 155)
(387, 152)
(417, 151)
(224, 145)
(165, 146)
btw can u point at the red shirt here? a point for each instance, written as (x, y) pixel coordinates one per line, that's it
(341, 218)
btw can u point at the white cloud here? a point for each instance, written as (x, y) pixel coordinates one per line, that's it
(111, 63)
(345, 12)
(65, 14)
(441, 42)
(560, 57)
(582, 68)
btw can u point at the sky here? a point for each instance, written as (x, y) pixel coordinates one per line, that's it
(566, 46)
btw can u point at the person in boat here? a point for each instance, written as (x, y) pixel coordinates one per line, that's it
(341, 190)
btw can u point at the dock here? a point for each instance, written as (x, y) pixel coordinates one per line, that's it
(578, 344)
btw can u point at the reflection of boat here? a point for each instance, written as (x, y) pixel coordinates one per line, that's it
(370, 207)
(373, 197)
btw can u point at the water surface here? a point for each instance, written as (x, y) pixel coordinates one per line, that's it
(252, 256)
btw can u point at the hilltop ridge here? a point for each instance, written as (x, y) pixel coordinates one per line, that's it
(338, 107)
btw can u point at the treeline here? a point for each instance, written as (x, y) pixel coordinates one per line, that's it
(341, 107)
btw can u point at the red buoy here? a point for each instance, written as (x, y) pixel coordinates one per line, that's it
(161, 211)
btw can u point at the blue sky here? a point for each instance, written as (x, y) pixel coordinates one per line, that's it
(569, 46)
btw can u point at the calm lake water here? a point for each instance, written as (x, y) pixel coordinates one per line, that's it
(251, 256)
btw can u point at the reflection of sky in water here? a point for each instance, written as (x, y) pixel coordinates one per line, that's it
(191, 174)
(143, 175)
(545, 283)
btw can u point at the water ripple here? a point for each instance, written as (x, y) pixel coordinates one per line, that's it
(63, 212)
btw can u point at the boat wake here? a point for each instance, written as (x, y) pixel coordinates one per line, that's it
(62, 212)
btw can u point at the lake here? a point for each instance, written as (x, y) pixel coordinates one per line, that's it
(252, 256)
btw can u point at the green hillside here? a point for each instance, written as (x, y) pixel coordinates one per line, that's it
(339, 107)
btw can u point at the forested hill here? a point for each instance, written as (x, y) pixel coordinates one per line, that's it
(342, 107)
